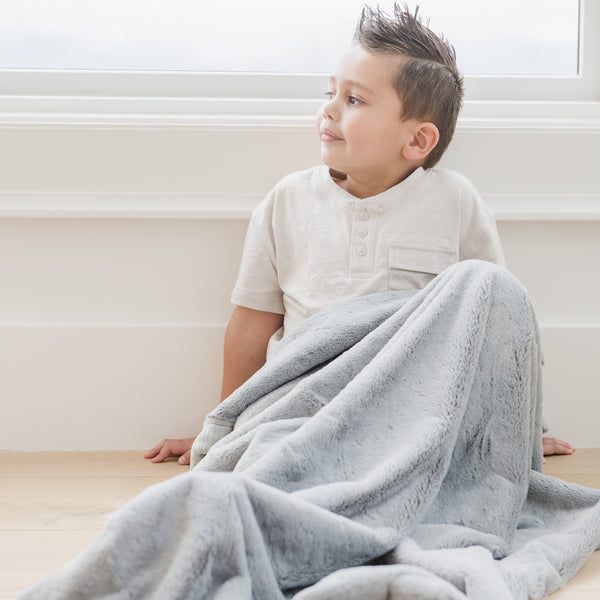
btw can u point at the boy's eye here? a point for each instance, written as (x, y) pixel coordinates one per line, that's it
(350, 99)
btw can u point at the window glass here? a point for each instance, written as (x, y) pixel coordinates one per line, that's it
(511, 37)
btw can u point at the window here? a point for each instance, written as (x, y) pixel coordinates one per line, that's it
(512, 37)
(271, 54)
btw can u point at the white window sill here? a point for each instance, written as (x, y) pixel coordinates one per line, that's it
(157, 112)
(248, 115)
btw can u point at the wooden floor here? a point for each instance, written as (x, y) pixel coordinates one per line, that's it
(53, 504)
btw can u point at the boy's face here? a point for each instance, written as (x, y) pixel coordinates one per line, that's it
(360, 129)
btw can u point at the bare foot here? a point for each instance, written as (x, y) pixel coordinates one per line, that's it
(556, 446)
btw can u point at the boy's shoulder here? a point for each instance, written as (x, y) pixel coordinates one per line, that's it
(448, 183)
(453, 184)
(447, 177)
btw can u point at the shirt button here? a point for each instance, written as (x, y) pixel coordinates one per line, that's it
(363, 215)
(362, 231)
(362, 250)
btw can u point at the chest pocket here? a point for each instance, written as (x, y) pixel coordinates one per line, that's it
(413, 267)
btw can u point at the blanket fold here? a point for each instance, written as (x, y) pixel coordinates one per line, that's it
(391, 448)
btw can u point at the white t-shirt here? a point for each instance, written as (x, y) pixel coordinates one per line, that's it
(311, 244)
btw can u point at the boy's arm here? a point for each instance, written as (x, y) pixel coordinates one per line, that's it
(245, 352)
(246, 339)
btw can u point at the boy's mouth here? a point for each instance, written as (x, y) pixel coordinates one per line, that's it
(329, 136)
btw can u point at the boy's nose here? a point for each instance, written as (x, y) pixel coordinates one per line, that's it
(329, 110)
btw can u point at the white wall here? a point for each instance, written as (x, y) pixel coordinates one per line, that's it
(119, 244)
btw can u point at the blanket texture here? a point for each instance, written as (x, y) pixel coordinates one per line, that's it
(390, 449)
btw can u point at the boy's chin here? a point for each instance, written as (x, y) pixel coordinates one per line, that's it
(335, 173)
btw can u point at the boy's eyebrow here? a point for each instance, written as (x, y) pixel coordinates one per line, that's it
(353, 84)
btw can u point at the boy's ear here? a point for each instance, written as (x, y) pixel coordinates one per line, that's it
(424, 140)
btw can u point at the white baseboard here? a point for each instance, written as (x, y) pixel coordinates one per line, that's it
(119, 387)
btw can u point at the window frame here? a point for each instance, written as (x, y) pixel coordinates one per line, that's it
(259, 97)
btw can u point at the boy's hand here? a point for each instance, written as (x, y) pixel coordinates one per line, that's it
(166, 448)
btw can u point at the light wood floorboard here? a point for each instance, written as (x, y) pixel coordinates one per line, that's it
(54, 503)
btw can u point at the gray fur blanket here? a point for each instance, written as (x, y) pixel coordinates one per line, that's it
(390, 449)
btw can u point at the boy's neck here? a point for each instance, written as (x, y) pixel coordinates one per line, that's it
(368, 188)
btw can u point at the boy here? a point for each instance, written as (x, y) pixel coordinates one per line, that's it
(376, 216)
(389, 484)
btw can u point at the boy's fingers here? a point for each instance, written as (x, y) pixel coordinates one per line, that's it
(566, 448)
(562, 444)
(167, 448)
(164, 453)
(154, 451)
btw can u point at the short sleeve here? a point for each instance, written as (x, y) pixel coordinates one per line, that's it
(479, 238)
(257, 285)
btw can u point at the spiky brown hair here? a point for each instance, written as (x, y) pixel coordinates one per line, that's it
(427, 81)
